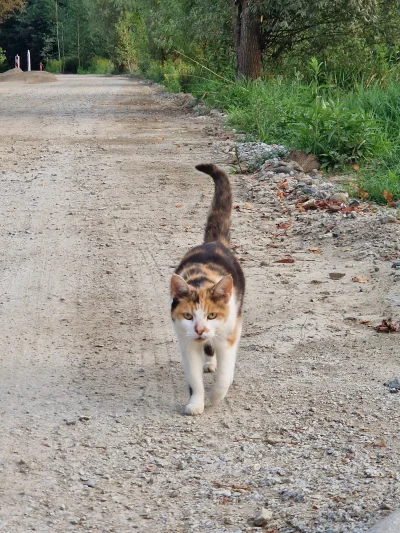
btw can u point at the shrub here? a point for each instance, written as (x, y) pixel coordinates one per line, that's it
(97, 65)
(53, 65)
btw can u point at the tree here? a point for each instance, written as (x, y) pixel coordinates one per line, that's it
(32, 29)
(247, 40)
(7, 7)
(270, 29)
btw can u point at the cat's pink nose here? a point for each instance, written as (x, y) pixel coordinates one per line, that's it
(199, 329)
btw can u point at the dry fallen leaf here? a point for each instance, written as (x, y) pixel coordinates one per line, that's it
(187, 229)
(248, 206)
(358, 279)
(347, 249)
(388, 326)
(178, 205)
(315, 250)
(388, 197)
(355, 166)
(365, 322)
(363, 193)
(284, 225)
(286, 260)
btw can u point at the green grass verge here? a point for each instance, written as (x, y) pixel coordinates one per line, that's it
(359, 124)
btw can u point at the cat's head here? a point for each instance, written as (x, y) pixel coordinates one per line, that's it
(200, 313)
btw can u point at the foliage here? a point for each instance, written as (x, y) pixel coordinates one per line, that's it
(7, 7)
(343, 106)
(97, 65)
(54, 65)
(32, 29)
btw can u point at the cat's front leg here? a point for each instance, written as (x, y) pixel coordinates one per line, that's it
(192, 362)
(226, 359)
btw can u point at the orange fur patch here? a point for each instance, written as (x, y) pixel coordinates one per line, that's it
(201, 299)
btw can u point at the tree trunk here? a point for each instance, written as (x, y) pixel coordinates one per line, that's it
(79, 44)
(58, 35)
(247, 38)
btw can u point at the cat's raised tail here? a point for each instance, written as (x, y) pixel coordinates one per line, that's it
(219, 218)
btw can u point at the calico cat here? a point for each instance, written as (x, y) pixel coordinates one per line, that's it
(207, 293)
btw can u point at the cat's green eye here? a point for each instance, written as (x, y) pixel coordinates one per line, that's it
(187, 316)
(211, 316)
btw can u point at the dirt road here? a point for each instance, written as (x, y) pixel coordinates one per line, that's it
(99, 200)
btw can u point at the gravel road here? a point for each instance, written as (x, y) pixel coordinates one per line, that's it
(99, 200)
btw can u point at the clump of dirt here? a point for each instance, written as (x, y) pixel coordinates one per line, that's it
(16, 75)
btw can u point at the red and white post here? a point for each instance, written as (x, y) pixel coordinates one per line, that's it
(17, 61)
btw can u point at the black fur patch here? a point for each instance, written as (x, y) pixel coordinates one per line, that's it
(198, 282)
(208, 350)
(190, 391)
(174, 304)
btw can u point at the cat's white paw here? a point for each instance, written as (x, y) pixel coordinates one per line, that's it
(217, 395)
(193, 409)
(210, 367)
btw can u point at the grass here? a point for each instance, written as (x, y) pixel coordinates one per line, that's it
(341, 126)
(97, 65)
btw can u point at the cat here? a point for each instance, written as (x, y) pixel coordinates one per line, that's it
(207, 291)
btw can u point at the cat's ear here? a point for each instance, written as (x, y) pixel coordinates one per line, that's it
(223, 289)
(179, 287)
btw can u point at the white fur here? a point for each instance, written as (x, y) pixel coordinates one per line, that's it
(194, 361)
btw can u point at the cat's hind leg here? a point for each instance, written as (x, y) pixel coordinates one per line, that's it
(210, 363)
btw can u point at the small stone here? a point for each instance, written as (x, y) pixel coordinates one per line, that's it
(223, 493)
(312, 191)
(282, 170)
(388, 219)
(371, 472)
(396, 264)
(393, 384)
(71, 421)
(91, 483)
(339, 197)
(336, 275)
(316, 175)
(174, 494)
(385, 506)
(263, 517)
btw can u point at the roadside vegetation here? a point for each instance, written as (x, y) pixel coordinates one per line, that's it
(321, 76)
